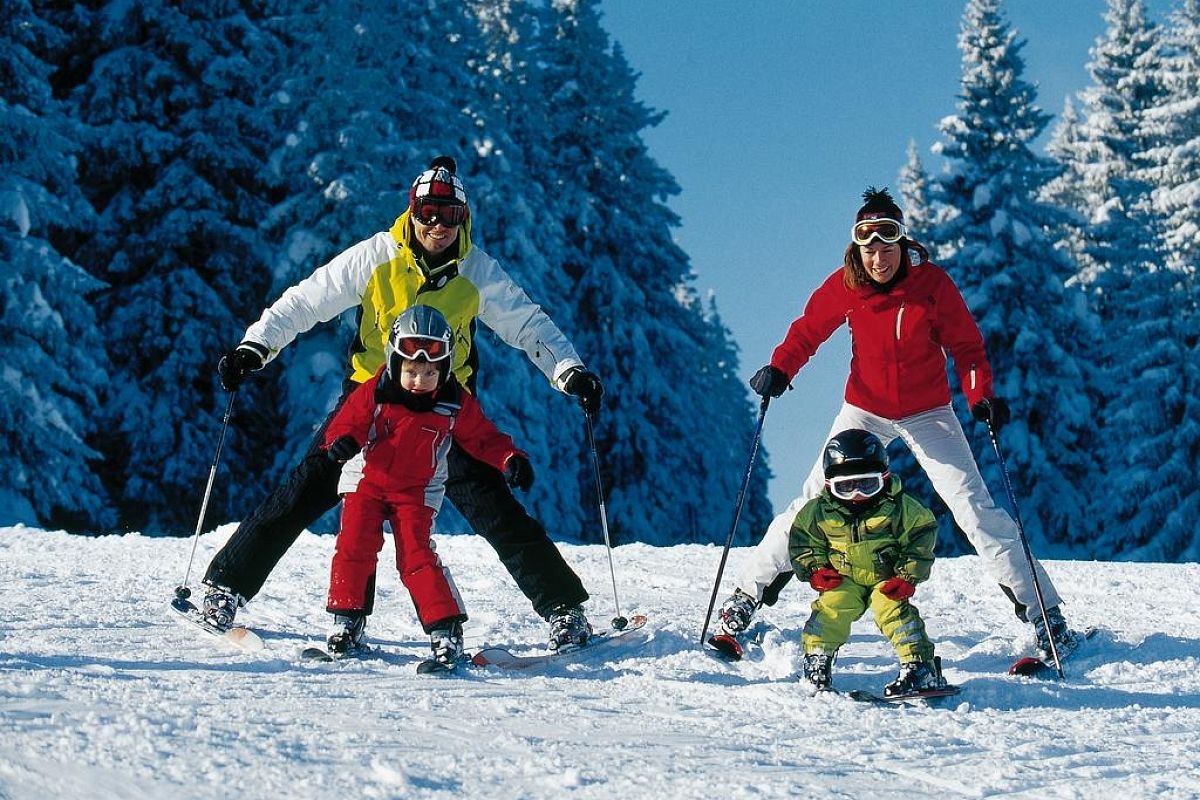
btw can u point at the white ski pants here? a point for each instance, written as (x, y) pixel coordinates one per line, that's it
(937, 441)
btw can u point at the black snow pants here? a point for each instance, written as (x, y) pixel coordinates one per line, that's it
(476, 489)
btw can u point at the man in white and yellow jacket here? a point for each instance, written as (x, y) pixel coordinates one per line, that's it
(425, 258)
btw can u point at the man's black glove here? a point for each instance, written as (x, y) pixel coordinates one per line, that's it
(518, 472)
(343, 449)
(235, 365)
(992, 410)
(769, 382)
(587, 387)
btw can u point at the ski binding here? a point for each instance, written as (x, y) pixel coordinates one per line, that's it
(238, 635)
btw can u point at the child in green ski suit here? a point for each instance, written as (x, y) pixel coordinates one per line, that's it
(864, 543)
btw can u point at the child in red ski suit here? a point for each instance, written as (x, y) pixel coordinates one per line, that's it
(402, 421)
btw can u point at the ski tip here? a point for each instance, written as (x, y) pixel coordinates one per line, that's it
(726, 646)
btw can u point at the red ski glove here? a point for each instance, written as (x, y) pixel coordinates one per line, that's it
(825, 578)
(897, 589)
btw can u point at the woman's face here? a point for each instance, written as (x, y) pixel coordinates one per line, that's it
(880, 260)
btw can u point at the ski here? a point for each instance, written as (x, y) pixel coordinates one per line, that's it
(502, 658)
(313, 653)
(1043, 666)
(238, 635)
(431, 666)
(725, 645)
(926, 694)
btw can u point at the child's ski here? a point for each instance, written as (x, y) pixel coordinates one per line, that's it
(926, 694)
(1042, 666)
(239, 636)
(505, 659)
(431, 666)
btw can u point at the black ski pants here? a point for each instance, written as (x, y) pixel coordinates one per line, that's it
(476, 489)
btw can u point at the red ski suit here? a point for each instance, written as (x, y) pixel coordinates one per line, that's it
(898, 341)
(400, 476)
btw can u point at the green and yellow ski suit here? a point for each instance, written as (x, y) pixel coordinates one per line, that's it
(894, 536)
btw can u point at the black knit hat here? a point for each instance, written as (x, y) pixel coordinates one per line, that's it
(878, 204)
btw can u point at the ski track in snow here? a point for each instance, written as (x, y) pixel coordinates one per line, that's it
(104, 695)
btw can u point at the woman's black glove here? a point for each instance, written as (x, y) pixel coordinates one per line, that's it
(769, 382)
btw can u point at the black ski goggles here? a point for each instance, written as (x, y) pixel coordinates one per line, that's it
(448, 214)
(888, 231)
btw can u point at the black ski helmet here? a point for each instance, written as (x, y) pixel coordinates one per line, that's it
(852, 452)
(421, 333)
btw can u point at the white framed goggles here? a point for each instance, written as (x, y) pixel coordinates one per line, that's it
(888, 231)
(427, 347)
(857, 487)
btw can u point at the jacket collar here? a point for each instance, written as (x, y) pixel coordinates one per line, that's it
(402, 233)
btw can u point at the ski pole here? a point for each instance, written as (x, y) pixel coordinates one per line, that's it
(619, 622)
(1037, 587)
(737, 513)
(182, 592)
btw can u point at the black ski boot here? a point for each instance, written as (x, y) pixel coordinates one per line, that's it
(568, 628)
(220, 607)
(818, 670)
(447, 645)
(916, 677)
(347, 637)
(1065, 639)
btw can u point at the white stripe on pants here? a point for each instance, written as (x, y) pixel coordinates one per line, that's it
(937, 441)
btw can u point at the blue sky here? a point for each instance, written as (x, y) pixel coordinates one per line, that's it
(779, 115)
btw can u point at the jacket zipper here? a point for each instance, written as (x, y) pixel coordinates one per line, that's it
(899, 317)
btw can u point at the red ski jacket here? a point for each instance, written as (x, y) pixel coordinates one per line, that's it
(899, 340)
(405, 450)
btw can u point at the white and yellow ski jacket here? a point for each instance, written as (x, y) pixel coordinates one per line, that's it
(382, 277)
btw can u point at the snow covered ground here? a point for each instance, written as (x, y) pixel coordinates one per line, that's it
(103, 694)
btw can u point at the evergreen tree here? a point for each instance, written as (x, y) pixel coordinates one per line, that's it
(1012, 279)
(1177, 121)
(1144, 99)
(350, 145)
(174, 166)
(640, 321)
(54, 363)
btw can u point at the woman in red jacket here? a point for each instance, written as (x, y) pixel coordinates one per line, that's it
(393, 434)
(904, 317)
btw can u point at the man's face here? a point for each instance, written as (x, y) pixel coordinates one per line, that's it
(435, 238)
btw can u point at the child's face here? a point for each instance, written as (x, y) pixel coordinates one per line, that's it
(419, 377)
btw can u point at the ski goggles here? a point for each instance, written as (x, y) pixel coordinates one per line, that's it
(856, 487)
(427, 212)
(887, 231)
(425, 346)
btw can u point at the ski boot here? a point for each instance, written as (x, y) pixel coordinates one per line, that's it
(818, 670)
(568, 627)
(916, 677)
(347, 634)
(220, 607)
(733, 618)
(1065, 639)
(447, 645)
(736, 612)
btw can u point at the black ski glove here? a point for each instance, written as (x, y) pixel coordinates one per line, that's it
(992, 410)
(235, 365)
(587, 387)
(343, 449)
(518, 472)
(769, 382)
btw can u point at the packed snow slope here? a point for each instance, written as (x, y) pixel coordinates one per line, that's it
(104, 694)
